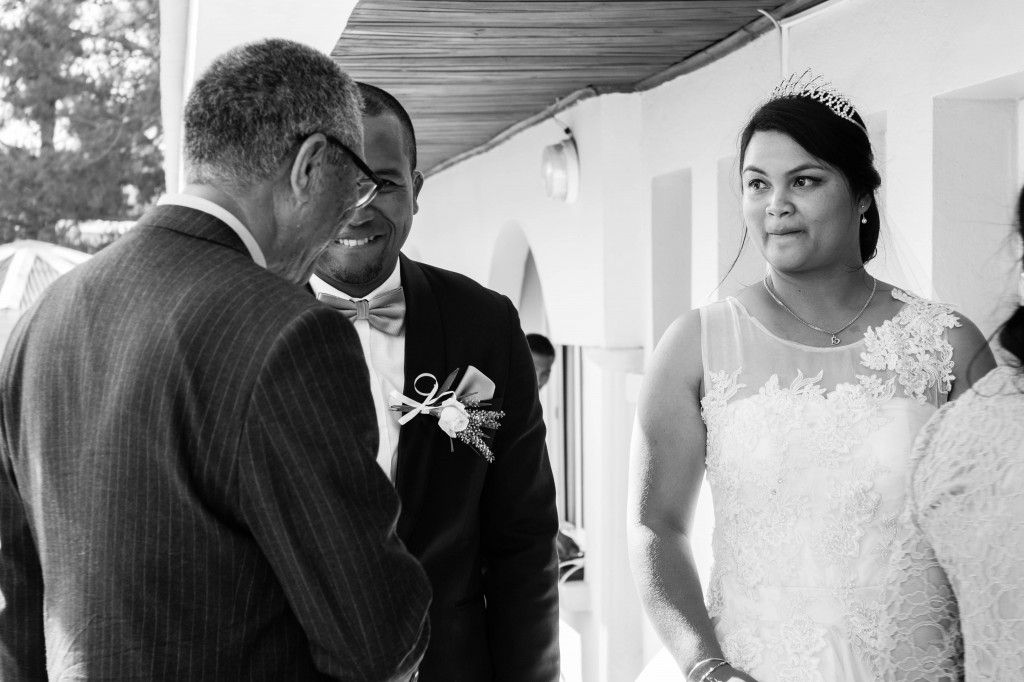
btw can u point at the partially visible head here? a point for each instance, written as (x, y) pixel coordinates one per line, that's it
(378, 102)
(255, 103)
(543, 357)
(260, 122)
(839, 143)
(366, 253)
(1011, 336)
(1020, 215)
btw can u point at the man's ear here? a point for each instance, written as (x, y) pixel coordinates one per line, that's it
(417, 185)
(309, 161)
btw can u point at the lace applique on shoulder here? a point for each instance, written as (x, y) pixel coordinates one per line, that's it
(723, 387)
(913, 345)
(712, 406)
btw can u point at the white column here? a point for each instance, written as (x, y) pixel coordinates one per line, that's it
(613, 639)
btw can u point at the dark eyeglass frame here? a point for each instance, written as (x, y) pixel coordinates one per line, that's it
(365, 196)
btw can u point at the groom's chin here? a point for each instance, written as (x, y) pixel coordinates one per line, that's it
(338, 265)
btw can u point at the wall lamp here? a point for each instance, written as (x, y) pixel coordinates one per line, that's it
(560, 165)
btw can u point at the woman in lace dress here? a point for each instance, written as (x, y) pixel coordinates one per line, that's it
(964, 532)
(800, 398)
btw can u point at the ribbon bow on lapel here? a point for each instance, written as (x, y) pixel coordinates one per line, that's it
(385, 312)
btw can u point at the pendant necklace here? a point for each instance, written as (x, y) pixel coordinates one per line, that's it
(836, 333)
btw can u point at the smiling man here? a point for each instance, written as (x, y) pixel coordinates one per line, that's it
(483, 531)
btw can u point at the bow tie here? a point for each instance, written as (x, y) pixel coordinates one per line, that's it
(385, 312)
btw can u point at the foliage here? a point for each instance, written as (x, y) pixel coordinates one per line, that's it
(80, 128)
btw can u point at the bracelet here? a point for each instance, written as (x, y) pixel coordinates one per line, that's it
(698, 664)
(712, 669)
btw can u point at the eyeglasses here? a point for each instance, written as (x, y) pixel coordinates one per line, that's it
(368, 187)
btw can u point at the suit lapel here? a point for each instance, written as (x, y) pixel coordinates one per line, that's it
(425, 351)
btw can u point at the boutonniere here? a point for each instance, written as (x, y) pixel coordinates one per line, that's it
(460, 413)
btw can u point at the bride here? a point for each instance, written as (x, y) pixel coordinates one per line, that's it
(800, 398)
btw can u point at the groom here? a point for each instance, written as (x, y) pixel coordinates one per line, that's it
(484, 532)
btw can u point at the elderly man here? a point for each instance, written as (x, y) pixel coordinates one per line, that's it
(188, 488)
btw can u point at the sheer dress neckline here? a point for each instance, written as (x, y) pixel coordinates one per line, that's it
(796, 344)
(807, 459)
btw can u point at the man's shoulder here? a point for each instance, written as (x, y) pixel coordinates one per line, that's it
(206, 278)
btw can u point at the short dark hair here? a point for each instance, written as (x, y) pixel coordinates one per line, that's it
(1011, 336)
(377, 102)
(836, 141)
(254, 102)
(540, 345)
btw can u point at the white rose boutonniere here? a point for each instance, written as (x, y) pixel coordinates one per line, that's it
(460, 413)
(453, 418)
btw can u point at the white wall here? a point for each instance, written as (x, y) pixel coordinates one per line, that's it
(894, 59)
(938, 81)
(586, 253)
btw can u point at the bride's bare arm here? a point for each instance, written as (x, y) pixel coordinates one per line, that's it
(972, 356)
(666, 471)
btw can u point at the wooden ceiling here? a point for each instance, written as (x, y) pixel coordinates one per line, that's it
(471, 71)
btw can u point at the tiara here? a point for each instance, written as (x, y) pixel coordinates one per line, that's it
(815, 87)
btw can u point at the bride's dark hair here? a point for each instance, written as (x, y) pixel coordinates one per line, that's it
(1011, 336)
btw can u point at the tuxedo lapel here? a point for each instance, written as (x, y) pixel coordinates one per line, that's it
(425, 352)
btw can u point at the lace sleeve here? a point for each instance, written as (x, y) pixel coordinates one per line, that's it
(969, 492)
(919, 633)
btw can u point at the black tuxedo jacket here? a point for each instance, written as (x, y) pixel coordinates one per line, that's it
(485, 533)
(188, 484)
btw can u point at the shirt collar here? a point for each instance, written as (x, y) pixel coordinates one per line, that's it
(392, 282)
(222, 214)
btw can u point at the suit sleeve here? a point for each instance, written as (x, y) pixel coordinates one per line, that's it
(22, 647)
(520, 522)
(322, 510)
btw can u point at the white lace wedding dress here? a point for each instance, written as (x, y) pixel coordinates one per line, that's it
(963, 528)
(807, 454)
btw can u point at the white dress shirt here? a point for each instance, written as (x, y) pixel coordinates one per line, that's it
(221, 213)
(385, 358)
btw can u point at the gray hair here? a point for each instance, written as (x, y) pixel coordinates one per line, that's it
(256, 103)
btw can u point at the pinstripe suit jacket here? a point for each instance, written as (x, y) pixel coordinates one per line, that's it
(485, 533)
(188, 488)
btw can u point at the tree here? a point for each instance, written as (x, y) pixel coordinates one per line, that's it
(80, 128)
